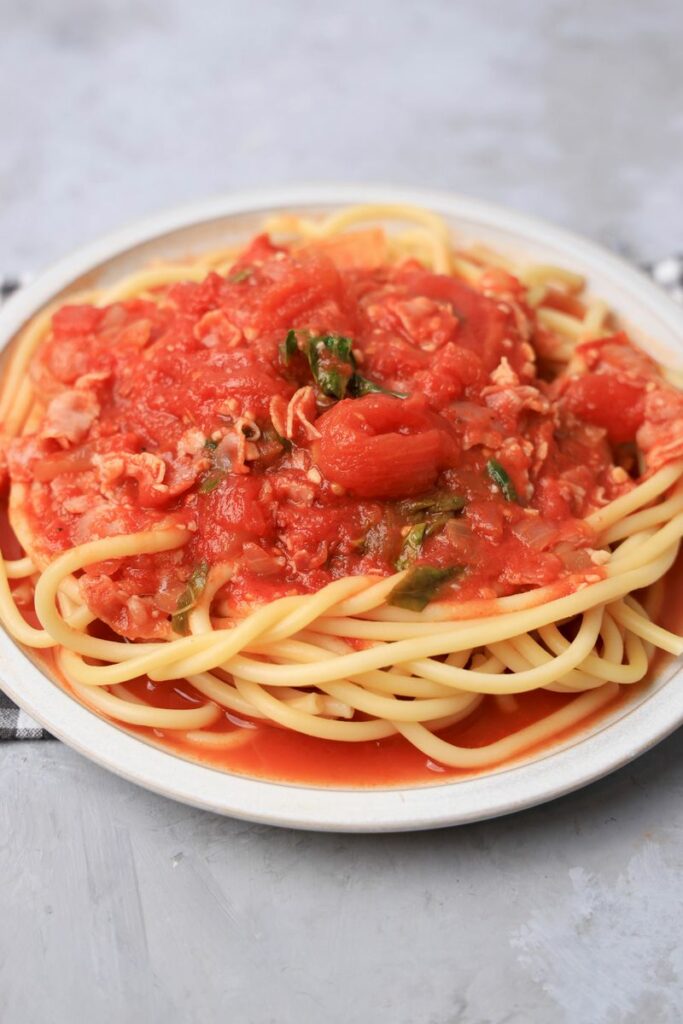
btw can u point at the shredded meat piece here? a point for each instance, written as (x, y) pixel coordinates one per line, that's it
(427, 320)
(307, 560)
(134, 616)
(294, 486)
(509, 402)
(93, 380)
(302, 413)
(149, 471)
(181, 474)
(76, 504)
(661, 435)
(191, 443)
(476, 425)
(215, 328)
(69, 416)
(504, 376)
(237, 446)
(277, 411)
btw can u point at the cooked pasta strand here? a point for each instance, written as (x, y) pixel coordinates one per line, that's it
(342, 663)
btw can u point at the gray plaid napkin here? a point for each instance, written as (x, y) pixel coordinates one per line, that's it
(15, 724)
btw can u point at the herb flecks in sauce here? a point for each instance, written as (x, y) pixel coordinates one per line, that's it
(332, 364)
(420, 586)
(501, 479)
(189, 597)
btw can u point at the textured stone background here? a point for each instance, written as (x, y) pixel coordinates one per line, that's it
(117, 905)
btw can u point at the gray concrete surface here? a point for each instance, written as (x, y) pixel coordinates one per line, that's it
(120, 906)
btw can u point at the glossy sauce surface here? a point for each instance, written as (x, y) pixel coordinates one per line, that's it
(279, 755)
(303, 417)
(307, 420)
(274, 754)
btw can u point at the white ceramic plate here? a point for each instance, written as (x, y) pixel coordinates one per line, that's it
(616, 740)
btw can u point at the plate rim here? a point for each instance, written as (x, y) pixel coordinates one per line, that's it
(293, 805)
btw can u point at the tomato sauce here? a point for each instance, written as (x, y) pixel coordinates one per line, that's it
(275, 754)
(289, 413)
(307, 419)
(280, 755)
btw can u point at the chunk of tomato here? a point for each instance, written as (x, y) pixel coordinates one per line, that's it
(75, 320)
(384, 447)
(483, 325)
(605, 400)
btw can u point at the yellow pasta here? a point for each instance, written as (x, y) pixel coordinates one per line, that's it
(342, 664)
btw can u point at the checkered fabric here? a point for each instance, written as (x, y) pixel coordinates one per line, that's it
(15, 724)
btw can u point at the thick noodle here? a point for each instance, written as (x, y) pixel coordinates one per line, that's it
(296, 662)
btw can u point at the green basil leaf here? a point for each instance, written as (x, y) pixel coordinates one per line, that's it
(412, 545)
(211, 444)
(436, 524)
(330, 357)
(212, 480)
(338, 345)
(421, 586)
(501, 479)
(332, 363)
(440, 503)
(359, 386)
(288, 348)
(188, 599)
(241, 275)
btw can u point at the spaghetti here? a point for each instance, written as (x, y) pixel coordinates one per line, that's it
(350, 485)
